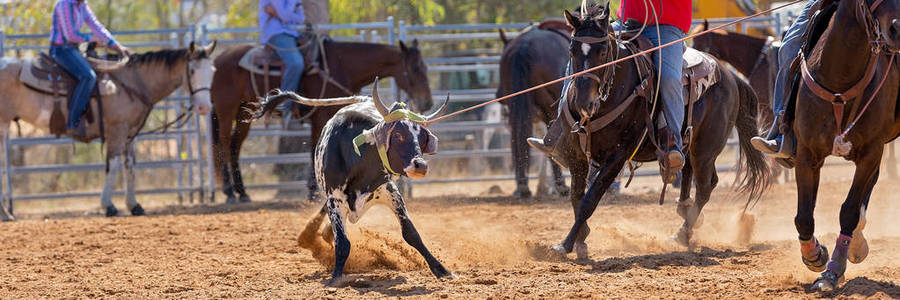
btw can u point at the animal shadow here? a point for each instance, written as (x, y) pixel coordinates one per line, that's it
(704, 258)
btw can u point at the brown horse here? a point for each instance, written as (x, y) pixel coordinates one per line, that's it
(147, 79)
(536, 56)
(754, 57)
(855, 57)
(353, 65)
(626, 115)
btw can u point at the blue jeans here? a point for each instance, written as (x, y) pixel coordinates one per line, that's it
(73, 61)
(790, 49)
(286, 47)
(670, 87)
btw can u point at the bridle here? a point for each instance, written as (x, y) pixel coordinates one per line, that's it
(190, 84)
(605, 80)
(866, 16)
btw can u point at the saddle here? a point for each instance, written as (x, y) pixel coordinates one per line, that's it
(699, 71)
(44, 75)
(557, 24)
(263, 60)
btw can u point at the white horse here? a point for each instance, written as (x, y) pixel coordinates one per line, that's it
(145, 80)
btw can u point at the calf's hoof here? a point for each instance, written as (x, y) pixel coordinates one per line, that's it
(818, 264)
(827, 282)
(244, 199)
(111, 211)
(138, 211)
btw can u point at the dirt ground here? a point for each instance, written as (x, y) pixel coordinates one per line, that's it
(497, 246)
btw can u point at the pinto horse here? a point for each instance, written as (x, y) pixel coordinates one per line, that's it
(856, 57)
(353, 65)
(628, 111)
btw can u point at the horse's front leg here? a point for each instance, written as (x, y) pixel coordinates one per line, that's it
(130, 188)
(5, 214)
(596, 189)
(410, 234)
(813, 254)
(852, 211)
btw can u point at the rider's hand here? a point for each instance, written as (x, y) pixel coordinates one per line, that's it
(270, 10)
(122, 50)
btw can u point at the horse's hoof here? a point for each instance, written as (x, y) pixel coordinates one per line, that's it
(231, 200)
(821, 261)
(522, 193)
(336, 282)
(859, 248)
(827, 282)
(7, 217)
(111, 211)
(581, 250)
(443, 273)
(682, 237)
(684, 206)
(244, 199)
(137, 211)
(562, 191)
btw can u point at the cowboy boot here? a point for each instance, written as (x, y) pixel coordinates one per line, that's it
(770, 144)
(548, 144)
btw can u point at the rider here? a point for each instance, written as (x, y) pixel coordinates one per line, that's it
(790, 49)
(278, 21)
(670, 21)
(68, 17)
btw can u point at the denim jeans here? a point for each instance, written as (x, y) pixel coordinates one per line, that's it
(670, 88)
(73, 61)
(286, 47)
(790, 49)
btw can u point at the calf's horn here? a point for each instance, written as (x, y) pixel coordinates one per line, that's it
(441, 110)
(281, 96)
(382, 109)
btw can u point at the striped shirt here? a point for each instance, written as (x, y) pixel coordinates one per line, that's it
(69, 16)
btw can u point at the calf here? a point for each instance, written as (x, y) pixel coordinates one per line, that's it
(363, 149)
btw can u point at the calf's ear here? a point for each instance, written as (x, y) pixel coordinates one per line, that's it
(431, 145)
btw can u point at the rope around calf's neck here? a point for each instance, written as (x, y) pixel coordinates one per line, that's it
(540, 86)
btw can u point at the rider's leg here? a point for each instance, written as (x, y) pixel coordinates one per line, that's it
(547, 144)
(71, 59)
(790, 49)
(286, 47)
(670, 64)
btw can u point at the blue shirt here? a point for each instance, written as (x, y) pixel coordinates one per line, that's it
(290, 15)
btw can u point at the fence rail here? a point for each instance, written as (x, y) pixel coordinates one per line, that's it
(195, 170)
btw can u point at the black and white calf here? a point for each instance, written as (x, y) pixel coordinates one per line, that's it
(362, 150)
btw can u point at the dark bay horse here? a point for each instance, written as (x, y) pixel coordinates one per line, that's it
(755, 57)
(536, 56)
(630, 110)
(855, 57)
(353, 65)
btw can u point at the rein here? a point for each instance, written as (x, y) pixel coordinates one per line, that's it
(839, 100)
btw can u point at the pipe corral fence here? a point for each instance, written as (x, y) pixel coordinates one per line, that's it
(192, 158)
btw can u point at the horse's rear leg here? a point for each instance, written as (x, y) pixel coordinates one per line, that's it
(559, 180)
(703, 168)
(223, 121)
(241, 130)
(130, 197)
(867, 169)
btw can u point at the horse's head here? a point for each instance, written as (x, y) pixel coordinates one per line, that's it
(414, 79)
(883, 19)
(199, 76)
(591, 46)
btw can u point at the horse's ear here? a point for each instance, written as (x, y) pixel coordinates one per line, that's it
(212, 47)
(572, 20)
(403, 47)
(192, 48)
(705, 24)
(503, 37)
(415, 43)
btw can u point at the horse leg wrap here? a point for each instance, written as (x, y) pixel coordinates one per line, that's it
(814, 255)
(838, 263)
(809, 249)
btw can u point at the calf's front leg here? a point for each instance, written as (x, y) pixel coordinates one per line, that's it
(410, 234)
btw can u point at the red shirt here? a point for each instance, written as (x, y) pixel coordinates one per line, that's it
(670, 12)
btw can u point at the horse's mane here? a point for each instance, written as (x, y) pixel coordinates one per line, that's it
(168, 57)
(592, 10)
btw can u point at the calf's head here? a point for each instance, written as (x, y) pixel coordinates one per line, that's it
(402, 138)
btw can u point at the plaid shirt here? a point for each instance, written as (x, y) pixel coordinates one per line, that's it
(69, 16)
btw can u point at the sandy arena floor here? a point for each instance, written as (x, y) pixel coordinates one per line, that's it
(495, 245)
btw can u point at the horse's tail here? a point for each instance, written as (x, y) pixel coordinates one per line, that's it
(754, 172)
(521, 107)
